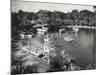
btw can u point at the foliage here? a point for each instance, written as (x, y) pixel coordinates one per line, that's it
(17, 67)
(22, 20)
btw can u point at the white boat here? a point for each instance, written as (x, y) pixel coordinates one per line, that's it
(68, 38)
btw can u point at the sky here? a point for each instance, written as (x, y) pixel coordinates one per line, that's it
(36, 6)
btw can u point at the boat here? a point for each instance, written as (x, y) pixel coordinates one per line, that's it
(69, 38)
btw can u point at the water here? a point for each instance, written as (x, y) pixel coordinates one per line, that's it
(82, 48)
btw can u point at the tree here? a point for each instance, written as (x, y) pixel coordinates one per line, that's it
(43, 16)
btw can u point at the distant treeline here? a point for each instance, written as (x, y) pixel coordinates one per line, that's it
(25, 20)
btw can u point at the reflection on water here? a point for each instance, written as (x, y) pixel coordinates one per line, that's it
(83, 47)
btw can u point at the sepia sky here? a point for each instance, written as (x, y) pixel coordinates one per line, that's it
(35, 6)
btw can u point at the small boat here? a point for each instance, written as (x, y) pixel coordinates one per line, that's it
(68, 38)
